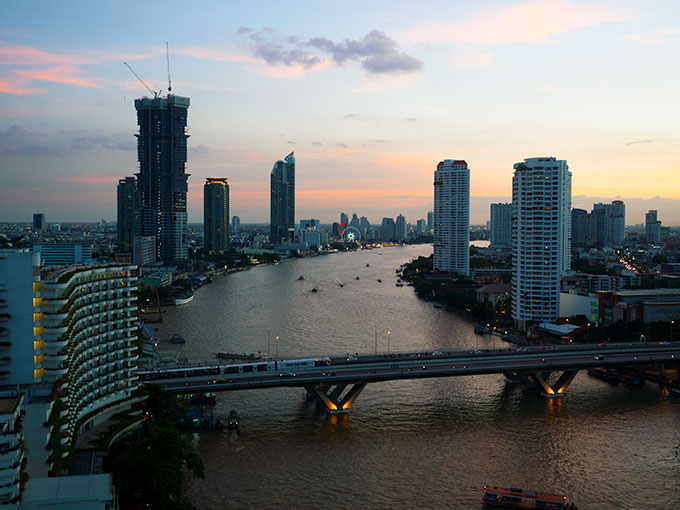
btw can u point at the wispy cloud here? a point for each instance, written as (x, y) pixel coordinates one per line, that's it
(376, 52)
(18, 141)
(657, 37)
(23, 66)
(634, 142)
(534, 21)
(214, 54)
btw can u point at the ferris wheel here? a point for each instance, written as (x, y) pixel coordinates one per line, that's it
(351, 235)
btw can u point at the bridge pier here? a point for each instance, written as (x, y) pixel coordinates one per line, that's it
(540, 380)
(558, 388)
(332, 399)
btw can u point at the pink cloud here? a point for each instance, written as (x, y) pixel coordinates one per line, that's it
(212, 54)
(290, 71)
(78, 179)
(528, 22)
(62, 74)
(25, 55)
(7, 87)
(657, 37)
(26, 65)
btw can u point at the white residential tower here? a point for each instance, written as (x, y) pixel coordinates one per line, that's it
(452, 217)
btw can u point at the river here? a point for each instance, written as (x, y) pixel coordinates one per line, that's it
(430, 443)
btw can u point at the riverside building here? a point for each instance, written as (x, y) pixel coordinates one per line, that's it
(282, 201)
(452, 217)
(541, 238)
(215, 214)
(68, 338)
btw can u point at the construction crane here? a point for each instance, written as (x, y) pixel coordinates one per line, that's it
(167, 56)
(155, 94)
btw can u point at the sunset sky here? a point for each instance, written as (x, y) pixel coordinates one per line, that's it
(369, 95)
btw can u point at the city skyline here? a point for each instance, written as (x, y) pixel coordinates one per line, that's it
(369, 110)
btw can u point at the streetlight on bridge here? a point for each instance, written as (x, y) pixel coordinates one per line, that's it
(277, 347)
(388, 342)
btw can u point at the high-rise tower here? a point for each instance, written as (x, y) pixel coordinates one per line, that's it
(501, 225)
(452, 217)
(652, 227)
(162, 177)
(282, 203)
(215, 214)
(128, 206)
(541, 237)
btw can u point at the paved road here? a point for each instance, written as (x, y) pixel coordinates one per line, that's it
(371, 368)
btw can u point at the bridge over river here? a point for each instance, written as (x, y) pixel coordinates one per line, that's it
(337, 381)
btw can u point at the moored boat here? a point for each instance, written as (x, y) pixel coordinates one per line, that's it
(301, 277)
(177, 339)
(315, 289)
(238, 355)
(498, 497)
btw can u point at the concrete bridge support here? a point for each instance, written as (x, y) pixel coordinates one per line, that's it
(556, 389)
(332, 396)
(540, 380)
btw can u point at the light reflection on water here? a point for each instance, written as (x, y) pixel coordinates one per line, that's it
(429, 443)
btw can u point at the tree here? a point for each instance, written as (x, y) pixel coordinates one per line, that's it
(148, 465)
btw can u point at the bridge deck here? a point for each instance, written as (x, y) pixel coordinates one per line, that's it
(371, 368)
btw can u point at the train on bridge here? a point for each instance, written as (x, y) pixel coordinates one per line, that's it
(212, 370)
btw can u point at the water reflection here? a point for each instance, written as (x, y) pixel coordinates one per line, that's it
(428, 443)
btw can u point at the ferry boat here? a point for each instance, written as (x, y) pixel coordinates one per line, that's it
(233, 420)
(498, 497)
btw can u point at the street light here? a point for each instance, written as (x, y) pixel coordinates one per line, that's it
(588, 333)
(672, 322)
(376, 340)
(277, 347)
(388, 342)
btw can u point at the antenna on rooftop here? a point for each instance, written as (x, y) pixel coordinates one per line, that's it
(167, 56)
(155, 94)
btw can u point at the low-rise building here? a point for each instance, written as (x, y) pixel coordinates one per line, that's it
(494, 292)
(647, 305)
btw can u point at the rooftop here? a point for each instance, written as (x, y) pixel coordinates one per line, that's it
(7, 404)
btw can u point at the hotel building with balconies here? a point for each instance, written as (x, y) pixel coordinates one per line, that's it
(66, 337)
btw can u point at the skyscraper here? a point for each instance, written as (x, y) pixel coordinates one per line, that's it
(541, 235)
(452, 217)
(162, 177)
(652, 227)
(387, 230)
(39, 221)
(501, 225)
(430, 221)
(364, 227)
(355, 221)
(580, 227)
(215, 214)
(400, 228)
(282, 203)
(236, 224)
(127, 207)
(344, 219)
(617, 221)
